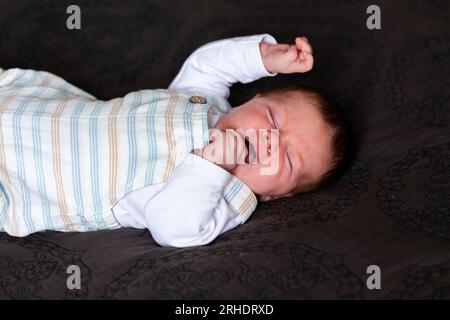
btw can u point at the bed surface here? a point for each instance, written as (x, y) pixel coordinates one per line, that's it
(391, 209)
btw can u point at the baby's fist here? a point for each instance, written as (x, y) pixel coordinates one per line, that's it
(227, 149)
(285, 58)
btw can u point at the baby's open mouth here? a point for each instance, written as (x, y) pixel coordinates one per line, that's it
(251, 152)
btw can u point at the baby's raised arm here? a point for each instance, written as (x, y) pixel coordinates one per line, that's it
(213, 68)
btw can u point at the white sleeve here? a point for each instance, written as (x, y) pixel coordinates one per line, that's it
(190, 210)
(214, 67)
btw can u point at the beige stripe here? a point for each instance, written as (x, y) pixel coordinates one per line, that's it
(246, 204)
(46, 81)
(170, 165)
(112, 127)
(12, 220)
(56, 144)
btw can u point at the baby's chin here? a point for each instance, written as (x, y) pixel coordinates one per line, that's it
(243, 172)
(260, 184)
(249, 174)
(239, 170)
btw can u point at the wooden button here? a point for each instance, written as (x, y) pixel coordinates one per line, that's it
(198, 99)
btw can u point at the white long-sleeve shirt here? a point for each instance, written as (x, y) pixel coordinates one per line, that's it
(189, 208)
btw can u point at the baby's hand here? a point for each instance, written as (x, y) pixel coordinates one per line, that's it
(285, 58)
(226, 149)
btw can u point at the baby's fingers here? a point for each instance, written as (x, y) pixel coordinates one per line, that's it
(303, 44)
(291, 54)
(304, 62)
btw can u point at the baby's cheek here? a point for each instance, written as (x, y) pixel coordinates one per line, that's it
(270, 180)
(248, 175)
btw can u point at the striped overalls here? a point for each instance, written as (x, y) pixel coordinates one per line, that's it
(67, 158)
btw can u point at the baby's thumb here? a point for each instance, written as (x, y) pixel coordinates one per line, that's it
(291, 54)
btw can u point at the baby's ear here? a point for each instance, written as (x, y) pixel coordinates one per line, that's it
(265, 198)
(270, 198)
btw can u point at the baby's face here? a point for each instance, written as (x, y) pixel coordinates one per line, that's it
(304, 144)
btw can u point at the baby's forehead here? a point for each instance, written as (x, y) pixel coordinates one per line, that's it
(289, 95)
(293, 101)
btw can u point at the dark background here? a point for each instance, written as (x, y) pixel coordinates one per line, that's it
(391, 209)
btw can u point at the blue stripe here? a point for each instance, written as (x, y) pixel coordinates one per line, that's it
(20, 159)
(37, 154)
(93, 124)
(132, 151)
(205, 127)
(152, 147)
(75, 151)
(234, 190)
(39, 168)
(188, 127)
(4, 201)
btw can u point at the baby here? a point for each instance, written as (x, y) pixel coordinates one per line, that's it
(180, 162)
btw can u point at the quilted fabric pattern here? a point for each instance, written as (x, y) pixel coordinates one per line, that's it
(391, 209)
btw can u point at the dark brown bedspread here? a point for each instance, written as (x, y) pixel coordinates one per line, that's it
(391, 209)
